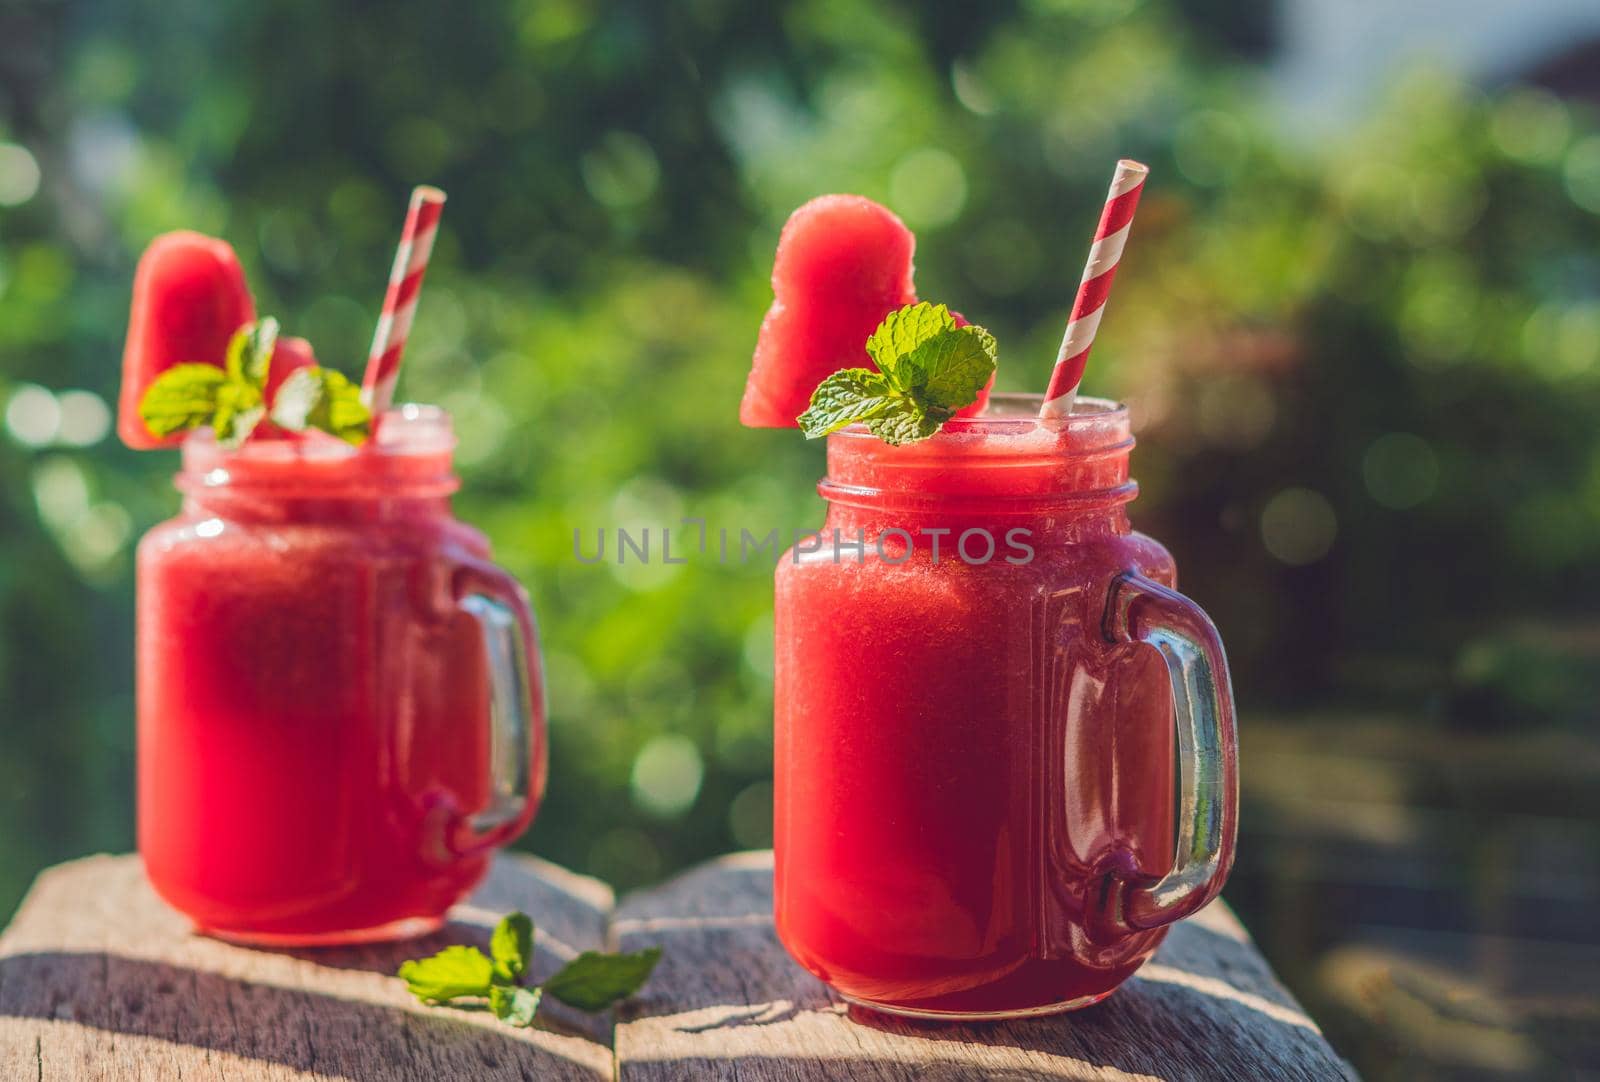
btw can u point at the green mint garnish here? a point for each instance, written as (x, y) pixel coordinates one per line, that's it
(928, 368)
(591, 982)
(183, 397)
(514, 1004)
(324, 399)
(232, 399)
(250, 352)
(229, 399)
(512, 947)
(453, 972)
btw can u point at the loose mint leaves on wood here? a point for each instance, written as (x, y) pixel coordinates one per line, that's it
(232, 399)
(591, 982)
(928, 368)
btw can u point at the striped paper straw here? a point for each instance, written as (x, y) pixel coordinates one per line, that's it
(1115, 221)
(400, 303)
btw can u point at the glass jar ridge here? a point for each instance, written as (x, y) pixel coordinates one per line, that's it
(1007, 461)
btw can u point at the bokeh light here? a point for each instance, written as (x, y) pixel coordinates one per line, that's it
(1531, 125)
(19, 175)
(1298, 526)
(85, 418)
(928, 188)
(625, 857)
(1582, 173)
(1400, 470)
(33, 415)
(667, 774)
(60, 490)
(622, 171)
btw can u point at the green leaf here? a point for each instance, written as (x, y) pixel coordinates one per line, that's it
(513, 1004)
(902, 331)
(229, 399)
(952, 367)
(906, 423)
(239, 410)
(181, 398)
(593, 981)
(324, 399)
(250, 351)
(512, 946)
(450, 974)
(847, 396)
(928, 369)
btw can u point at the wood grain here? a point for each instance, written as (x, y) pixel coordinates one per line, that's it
(727, 1003)
(99, 980)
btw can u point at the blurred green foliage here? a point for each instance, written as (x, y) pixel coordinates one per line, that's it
(1365, 369)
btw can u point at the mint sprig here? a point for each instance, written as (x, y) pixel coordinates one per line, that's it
(590, 982)
(232, 398)
(928, 368)
(183, 397)
(324, 399)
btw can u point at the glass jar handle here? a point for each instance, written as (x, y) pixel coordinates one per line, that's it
(517, 755)
(1141, 611)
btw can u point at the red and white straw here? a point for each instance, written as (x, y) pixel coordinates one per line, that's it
(1115, 221)
(400, 303)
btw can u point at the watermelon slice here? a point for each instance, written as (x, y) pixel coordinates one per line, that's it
(843, 263)
(288, 356)
(189, 296)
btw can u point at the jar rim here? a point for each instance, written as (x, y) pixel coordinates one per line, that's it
(406, 430)
(1014, 413)
(1007, 458)
(409, 454)
(1011, 433)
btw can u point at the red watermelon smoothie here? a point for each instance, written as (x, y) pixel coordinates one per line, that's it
(971, 770)
(317, 762)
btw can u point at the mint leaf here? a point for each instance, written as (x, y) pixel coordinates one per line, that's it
(513, 1004)
(928, 368)
(323, 399)
(181, 398)
(844, 398)
(250, 351)
(512, 946)
(239, 410)
(952, 366)
(450, 974)
(229, 398)
(906, 423)
(593, 981)
(903, 330)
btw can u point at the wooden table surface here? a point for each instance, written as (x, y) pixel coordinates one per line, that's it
(99, 980)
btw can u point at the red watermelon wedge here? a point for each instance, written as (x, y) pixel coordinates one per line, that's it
(288, 356)
(189, 296)
(843, 263)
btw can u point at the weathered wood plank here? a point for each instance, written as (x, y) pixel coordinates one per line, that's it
(726, 1002)
(100, 980)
